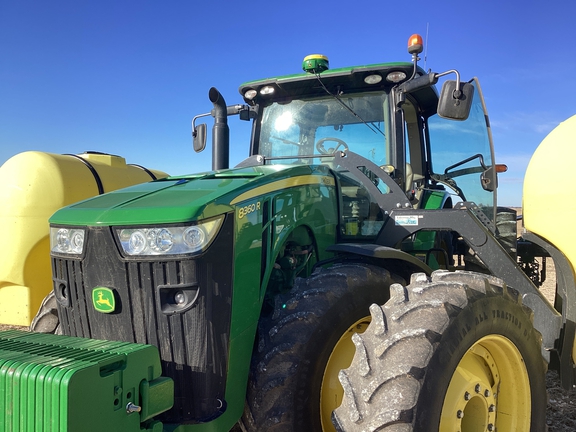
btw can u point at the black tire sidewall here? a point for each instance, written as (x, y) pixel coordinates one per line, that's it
(483, 316)
(350, 308)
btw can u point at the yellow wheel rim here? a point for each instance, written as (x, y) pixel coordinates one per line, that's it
(489, 391)
(331, 392)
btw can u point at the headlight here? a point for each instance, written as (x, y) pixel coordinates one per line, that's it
(67, 240)
(168, 240)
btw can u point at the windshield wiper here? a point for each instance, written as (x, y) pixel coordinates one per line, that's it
(372, 127)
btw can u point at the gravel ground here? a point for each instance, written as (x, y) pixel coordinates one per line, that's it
(561, 411)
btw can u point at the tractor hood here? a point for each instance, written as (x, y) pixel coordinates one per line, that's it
(185, 198)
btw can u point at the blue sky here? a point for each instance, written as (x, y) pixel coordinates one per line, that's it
(126, 77)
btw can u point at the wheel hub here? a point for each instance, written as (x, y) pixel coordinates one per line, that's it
(492, 368)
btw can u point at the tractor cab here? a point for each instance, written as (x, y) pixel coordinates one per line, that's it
(437, 149)
(390, 140)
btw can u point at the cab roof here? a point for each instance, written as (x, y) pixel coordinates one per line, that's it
(346, 80)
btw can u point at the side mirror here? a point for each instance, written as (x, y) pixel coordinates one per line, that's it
(455, 103)
(199, 137)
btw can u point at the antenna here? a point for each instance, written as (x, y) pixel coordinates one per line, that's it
(426, 48)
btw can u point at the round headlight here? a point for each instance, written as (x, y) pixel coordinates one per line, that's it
(77, 242)
(63, 240)
(194, 237)
(160, 239)
(136, 242)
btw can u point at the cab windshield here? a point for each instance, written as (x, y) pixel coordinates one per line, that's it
(321, 126)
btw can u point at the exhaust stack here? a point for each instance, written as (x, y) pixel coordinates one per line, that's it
(220, 131)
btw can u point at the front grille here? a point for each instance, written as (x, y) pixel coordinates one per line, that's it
(193, 344)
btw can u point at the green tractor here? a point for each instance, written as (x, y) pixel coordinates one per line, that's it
(258, 285)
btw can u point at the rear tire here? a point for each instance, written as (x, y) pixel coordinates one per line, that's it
(292, 364)
(454, 352)
(506, 230)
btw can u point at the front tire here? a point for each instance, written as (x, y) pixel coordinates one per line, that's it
(454, 352)
(46, 319)
(304, 344)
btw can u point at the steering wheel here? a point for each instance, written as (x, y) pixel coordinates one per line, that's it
(321, 141)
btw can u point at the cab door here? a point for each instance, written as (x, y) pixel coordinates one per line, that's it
(461, 155)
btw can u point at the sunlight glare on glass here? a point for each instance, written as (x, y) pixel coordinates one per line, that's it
(284, 121)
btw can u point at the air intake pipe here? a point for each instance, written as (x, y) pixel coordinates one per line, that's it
(220, 131)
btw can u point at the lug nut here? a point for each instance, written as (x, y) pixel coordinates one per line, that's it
(487, 393)
(460, 414)
(466, 396)
(492, 408)
(490, 427)
(477, 388)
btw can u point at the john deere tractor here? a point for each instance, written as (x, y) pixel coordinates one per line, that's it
(249, 297)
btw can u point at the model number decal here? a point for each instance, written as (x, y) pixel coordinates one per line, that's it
(247, 209)
(406, 220)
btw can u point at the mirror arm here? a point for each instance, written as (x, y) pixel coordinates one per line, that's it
(246, 112)
(418, 83)
(194, 132)
(478, 156)
(457, 93)
(233, 109)
(199, 131)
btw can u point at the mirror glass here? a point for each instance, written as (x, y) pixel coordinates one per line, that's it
(200, 138)
(455, 108)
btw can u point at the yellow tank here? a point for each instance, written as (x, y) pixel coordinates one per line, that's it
(548, 201)
(33, 185)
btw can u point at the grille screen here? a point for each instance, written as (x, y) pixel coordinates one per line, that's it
(193, 343)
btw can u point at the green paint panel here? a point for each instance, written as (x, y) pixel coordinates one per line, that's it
(173, 200)
(61, 383)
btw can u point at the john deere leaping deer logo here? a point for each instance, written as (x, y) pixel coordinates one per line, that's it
(103, 299)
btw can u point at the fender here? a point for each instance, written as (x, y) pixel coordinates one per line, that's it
(403, 263)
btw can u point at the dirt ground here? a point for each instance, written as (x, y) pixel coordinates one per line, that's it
(561, 411)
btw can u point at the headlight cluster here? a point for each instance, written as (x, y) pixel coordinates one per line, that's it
(67, 240)
(168, 240)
